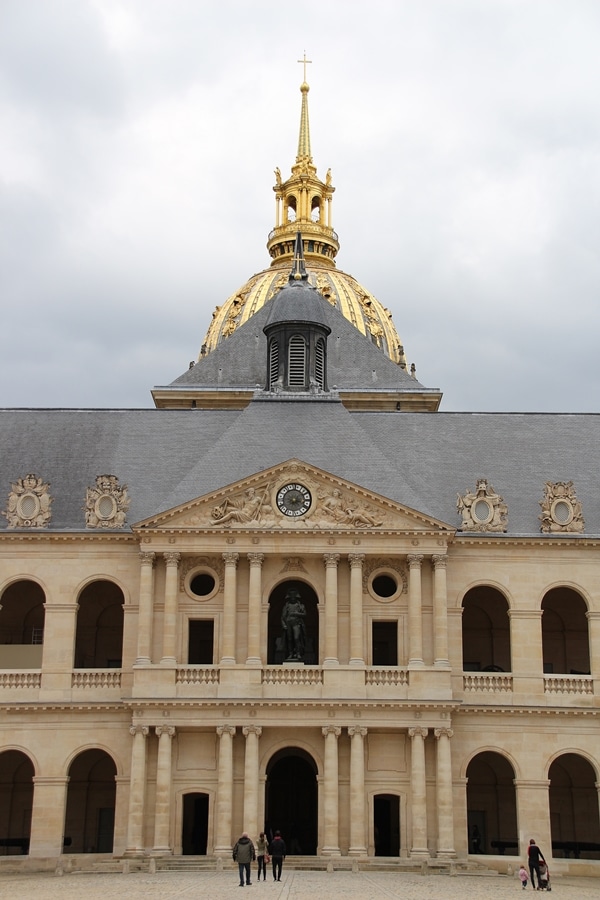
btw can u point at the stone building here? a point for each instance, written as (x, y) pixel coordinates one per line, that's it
(295, 595)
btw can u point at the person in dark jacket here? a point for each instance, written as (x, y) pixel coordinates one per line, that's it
(534, 858)
(243, 855)
(278, 852)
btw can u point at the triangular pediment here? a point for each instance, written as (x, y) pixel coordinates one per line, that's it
(293, 495)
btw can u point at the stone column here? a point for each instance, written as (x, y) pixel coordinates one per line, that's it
(169, 656)
(252, 733)
(162, 812)
(440, 611)
(356, 610)
(419, 846)
(445, 815)
(137, 791)
(254, 610)
(594, 642)
(146, 610)
(60, 627)
(48, 815)
(228, 643)
(415, 621)
(224, 791)
(331, 609)
(331, 838)
(358, 844)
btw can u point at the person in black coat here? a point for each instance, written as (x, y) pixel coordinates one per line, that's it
(278, 852)
(534, 858)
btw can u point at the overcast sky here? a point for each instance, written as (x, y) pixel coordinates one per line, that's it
(139, 139)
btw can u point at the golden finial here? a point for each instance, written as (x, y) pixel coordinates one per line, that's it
(304, 62)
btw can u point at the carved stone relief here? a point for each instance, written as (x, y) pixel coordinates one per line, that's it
(483, 509)
(561, 510)
(245, 508)
(341, 509)
(29, 503)
(107, 503)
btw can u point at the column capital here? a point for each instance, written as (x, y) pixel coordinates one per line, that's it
(356, 560)
(169, 730)
(147, 557)
(252, 729)
(331, 560)
(439, 560)
(357, 731)
(230, 557)
(256, 559)
(326, 730)
(225, 729)
(139, 729)
(443, 732)
(418, 731)
(414, 560)
(172, 558)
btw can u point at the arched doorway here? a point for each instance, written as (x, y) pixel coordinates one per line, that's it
(194, 832)
(99, 636)
(16, 793)
(486, 631)
(565, 638)
(22, 626)
(386, 824)
(291, 800)
(574, 817)
(276, 650)
(491, 805)
(90, 816)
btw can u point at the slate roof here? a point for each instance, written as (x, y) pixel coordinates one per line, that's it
(422, 460)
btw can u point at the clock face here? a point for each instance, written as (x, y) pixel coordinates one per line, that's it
(294, 500)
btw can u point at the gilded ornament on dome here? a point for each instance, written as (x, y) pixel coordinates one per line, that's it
(29, 503)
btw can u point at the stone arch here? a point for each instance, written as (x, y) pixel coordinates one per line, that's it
(91, 795)
(16, 801)
(486, 630)
(275, 643)
(291, 799)
(574, 812)
(99, 632)
(565, 633)
(491, 805)
(22, 620)
(195, 814)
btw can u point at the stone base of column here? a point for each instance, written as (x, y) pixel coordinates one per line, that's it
(168, 661)
(142, 661)
(331, 851)
(442, 663)
(161, 851)
(134, 851)
(355, 661)
(415, 663)
(330, 662)
(227, 661)
(357, 851)
(446, 854)
(254, 662)
(419, 853)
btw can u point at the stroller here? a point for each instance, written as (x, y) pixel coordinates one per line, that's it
(545, 877)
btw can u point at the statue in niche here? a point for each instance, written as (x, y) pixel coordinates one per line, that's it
(294, 628)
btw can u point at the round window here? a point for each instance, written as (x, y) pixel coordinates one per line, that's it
(562, 512)
(385, 586)
(202, 584)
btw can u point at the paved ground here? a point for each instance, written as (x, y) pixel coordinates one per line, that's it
(294, 886)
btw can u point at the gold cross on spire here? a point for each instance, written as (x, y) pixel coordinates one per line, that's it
(304, 62)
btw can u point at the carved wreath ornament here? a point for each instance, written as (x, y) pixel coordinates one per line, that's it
(29, 503)
(107, 503)
(483, 509)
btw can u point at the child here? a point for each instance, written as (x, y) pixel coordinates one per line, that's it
(523, 876)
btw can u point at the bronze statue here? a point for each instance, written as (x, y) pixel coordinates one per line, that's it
(292, 622)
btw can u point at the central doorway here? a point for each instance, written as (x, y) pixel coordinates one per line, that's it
(194, 837)
(291, 800)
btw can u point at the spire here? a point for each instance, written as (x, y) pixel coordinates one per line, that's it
(304, 154)
(298, 272)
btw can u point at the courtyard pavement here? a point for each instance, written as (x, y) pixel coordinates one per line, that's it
(294, 886)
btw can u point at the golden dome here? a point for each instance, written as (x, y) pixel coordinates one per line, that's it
(303, 204)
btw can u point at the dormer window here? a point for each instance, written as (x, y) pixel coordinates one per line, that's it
(297, 362)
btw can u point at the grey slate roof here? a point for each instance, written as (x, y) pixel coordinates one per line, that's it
(422, 460)
(354, 362)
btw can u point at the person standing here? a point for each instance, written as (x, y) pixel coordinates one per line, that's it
(261, 855)
(534, 858)
(243, 855)
(278, 852)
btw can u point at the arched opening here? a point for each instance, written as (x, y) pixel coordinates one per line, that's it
(99, 636)
(90, 816)
(297, 361)
(22, 626)
(290, 209)
(386, 824)
(574, 816)
(291, 801)
(491, 805)
(315, 209)
(16, 792)
(486, 631)
(565, 639)
(276, 653)
(194, 831)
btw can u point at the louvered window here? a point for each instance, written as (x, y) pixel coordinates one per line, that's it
(273, 363)
(320, 363)
(297, 361)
